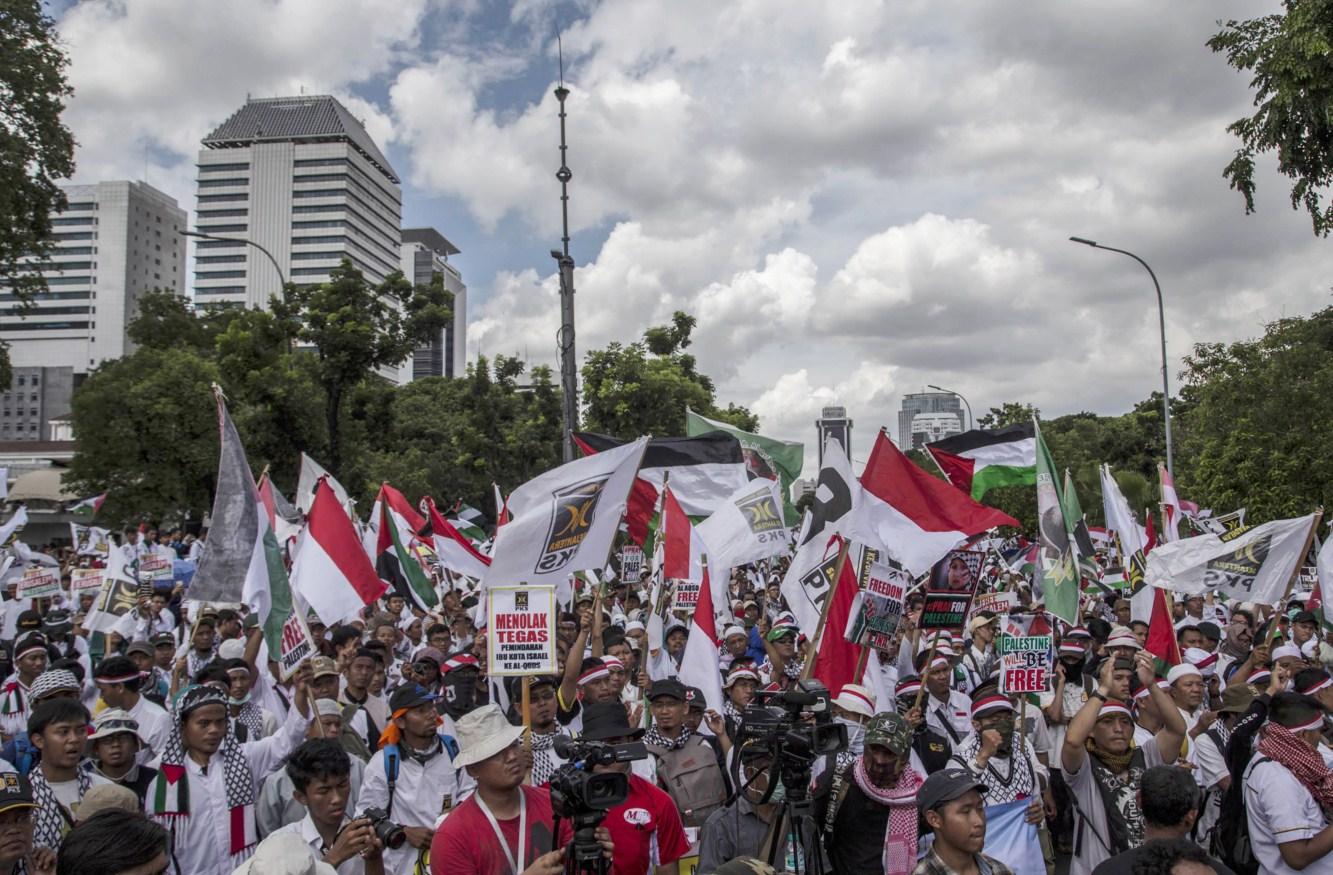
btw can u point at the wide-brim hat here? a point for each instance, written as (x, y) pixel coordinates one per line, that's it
(482, 733)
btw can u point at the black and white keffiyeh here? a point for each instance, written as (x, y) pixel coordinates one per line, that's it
(656, 739)
(51, 818)
(1007, 779)
(251, 716)
(544, 760)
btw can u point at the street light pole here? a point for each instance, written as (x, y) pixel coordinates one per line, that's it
(282, 277)
(970, 421)
(569, 381)
(1161, 324)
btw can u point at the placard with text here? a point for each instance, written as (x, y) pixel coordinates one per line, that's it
(520, 631)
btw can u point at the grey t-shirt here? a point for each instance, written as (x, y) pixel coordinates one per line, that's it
(1091, 845)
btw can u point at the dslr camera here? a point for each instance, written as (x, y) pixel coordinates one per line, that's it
(390, 834)
(583, 798)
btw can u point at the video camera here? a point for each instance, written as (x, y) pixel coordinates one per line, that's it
(583, 798)
(774, 720)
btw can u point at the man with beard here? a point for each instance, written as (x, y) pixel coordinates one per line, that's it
(1102, 766)
(207, 781)
(683, 763)
(988, 754)
(930, 750)
(869, 812)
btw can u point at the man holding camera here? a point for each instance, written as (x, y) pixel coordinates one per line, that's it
(506, 826)
(320, 771)
(411, 775)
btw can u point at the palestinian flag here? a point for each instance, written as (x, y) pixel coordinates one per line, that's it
(1161, 640)
(87, 508)
(454, 551)
(765, 458)
(1077, 526)
(704, 472)
(394, 563)
(1057, 573)
(470, 522)
(977, 460)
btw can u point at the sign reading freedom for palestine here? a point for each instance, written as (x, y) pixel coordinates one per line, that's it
(521, 631)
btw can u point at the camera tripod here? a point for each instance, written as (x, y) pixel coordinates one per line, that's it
(795, 821)
(585, 852)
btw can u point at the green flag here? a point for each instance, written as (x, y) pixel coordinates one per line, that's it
(1056, 571)
(765, 457)
(1077, 527)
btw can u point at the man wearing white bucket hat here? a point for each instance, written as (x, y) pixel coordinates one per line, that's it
(506, 825)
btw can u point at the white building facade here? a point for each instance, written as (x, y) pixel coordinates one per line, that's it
(425, 253)
(301, 178)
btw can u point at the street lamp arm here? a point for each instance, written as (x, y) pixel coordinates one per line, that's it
(970, 421)
(203, 236)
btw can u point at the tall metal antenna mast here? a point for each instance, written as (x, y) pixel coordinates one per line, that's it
(565, 337)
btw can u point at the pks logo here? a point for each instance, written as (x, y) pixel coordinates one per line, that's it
(761, 512)
(574, 508)
(520, 601)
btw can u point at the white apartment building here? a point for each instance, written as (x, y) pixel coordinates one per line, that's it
(426, 252)
(300, 177)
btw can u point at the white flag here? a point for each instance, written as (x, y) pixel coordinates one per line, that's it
(1251, 565)
(14, 523)
(565, 520)
(311, 471)
(808, 578)
(113, 607)
(1324, 572)
(747, 526)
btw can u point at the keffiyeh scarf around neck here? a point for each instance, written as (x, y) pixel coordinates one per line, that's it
(900, 836)
(653, 737)
(1282, 746)
(543, 757)
(168, 797)
(251, 716)
(50, 823)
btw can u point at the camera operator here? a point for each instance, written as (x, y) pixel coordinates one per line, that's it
(411, 774)
(740, 827)
(646, 828)
(505, 827)
(321, 781)
(869, 811)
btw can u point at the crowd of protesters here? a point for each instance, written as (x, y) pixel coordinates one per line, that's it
(178, 747)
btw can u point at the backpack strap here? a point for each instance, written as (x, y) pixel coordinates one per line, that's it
(391, 761)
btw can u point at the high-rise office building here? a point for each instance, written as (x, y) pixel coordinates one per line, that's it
(300, 177)
(426, 253)
(833, 423)
(915, 403)
(114, 241)
(930, 427)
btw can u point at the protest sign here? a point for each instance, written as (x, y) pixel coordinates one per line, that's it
(38, 583)
(878, 607)
(1025, 663)
(297, 645)
(85, 579)
(521, 631)
(154, 567)
(631, 562)
(687, 595)
(953, 582)
(90, 540)
(998, 603)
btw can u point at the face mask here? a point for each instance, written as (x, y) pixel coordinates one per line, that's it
(779, 794)
(856, 735)
(236, 703)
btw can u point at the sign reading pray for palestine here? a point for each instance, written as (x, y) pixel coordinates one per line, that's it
(521, 631)
(631, 563)
(953, 583)
(1025, 663)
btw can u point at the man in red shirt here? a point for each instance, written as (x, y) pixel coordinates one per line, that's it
(505, 827)
(645, 828)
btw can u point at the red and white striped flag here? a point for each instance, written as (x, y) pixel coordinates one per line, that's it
(331, 571)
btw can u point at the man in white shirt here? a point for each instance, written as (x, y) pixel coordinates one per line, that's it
(1287, 790)
(948, 711)
(118, 681)
(207, 781)
(30, 658)
(320, 772)
(424, 777)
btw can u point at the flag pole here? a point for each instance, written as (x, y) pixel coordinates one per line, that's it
(1305, 551)
(921, 693)
(808, 669)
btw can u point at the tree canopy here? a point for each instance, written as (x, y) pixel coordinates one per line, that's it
(1291, 56)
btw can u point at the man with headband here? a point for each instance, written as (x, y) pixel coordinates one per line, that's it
(1289, 790)
(988, 754)
(207, 781)
(1103, 767)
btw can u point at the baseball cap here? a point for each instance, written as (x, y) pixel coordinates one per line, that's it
(694, 698)
(409, 696)
(323, 666)
(1305, 617)
(140, 646)
(163, 639)
(944, 786)
(889, 730)
(667, 687)
(15, 792)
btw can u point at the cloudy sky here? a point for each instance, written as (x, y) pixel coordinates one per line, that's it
(854, 198)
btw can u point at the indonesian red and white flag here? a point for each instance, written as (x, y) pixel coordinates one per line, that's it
(455, 552)
(1171, 513)
(915, 517)
(331, 570)
(698, 665)
(837, 657)
(682, 548)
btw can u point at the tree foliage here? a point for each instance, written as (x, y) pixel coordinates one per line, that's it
(643, 388)
(36, 149)
(1253, 433)
(1291, 56)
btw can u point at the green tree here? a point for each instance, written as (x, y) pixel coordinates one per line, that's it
(1251, 434)
(1008, 413)
(452, 439)
(36, 149)
(357, 328)
(643, 388)
(147, 432)
(1291, 56)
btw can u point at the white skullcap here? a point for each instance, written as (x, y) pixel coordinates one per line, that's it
(1182, 671)
(1287, 650)
(734, 630)
(233, 648)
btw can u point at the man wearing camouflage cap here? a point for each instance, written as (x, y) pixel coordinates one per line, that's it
(869, 812)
